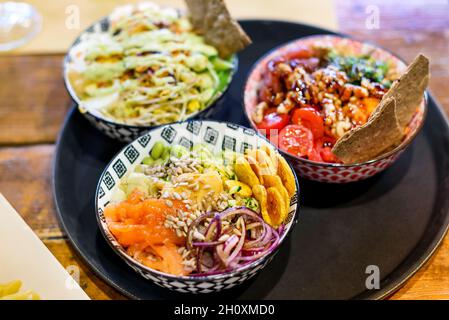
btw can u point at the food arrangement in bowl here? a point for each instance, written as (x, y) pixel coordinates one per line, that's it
(341, 110)
(197, 204)
(147, 65)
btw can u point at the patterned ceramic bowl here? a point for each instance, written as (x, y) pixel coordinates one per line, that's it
(334, 172)
(218, 136)
(126, 132)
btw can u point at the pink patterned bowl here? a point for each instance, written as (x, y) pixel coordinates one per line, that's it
(334, 172)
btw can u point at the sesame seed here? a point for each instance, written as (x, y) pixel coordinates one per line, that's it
(181, 223)
(177, 196)
(165, 194)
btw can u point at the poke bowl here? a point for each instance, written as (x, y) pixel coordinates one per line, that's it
(311, 93)
(197, 206)
(144, 66)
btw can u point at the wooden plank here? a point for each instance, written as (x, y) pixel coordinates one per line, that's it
(88, 281)
(25, 181)
(431, 282)
(33, 99)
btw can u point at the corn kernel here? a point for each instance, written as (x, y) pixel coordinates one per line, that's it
(193, 105)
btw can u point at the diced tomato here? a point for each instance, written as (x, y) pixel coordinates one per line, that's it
(296, 139)
(315, 155)
(327, 155)
(322, 146)
(310, 118)
(273, 120)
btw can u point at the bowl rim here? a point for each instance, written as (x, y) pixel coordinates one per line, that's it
(74, 96)
(404, 144)
(201, 278)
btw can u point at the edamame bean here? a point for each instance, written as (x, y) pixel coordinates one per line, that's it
(148, 161)
(158, 162)
(166, 153)
(157, 151)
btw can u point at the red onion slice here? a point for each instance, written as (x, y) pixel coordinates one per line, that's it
(265, 251)
(207, 243)
(237, 250)
(239, 246)
(241, 210)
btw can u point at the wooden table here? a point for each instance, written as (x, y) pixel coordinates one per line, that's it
(34, 103)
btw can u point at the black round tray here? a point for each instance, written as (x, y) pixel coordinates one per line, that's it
(394, 220)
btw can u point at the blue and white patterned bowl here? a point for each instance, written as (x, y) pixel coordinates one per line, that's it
(125, 132)
(218, 136)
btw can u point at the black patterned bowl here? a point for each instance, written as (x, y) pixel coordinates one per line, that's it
(218, 136)
(125, 132)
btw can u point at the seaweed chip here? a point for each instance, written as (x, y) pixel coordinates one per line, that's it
(386, 125)
(380, 133)
(212, 19)
(408, 91)
(197, 13)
